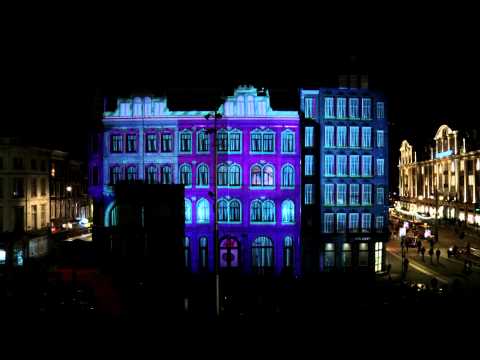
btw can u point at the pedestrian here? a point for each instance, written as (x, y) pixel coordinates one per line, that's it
(389, 268)
(430, 252)
(438, 256)
(419, 246)
(423, 253)
(405, 266)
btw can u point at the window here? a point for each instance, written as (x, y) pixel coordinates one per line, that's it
(366, 137)
(34, 217)
(308, 194)
(366, 165)
(222, 140)
(222, 214)
(288, 252)
(329, 194)
(18, 163)
(328, 223)
(250, 106)
(203, 246)
(341, 222)
(380, 167)
(165, 174)
(185, 171)
(366, 194)
(131, 173)
(380, 138)
(366, 108)
(363, 254)
(203, 141)
(288, 212)
(329, 165)
(240, 106)
(353, 108)
(308, 108)
(262, 211)
(131, 143)
(95, 180)
(229, 141)
(341, 136)
(308, 165)
(353, 222)
(186, 252)
(256, 175)
(43, 215)
(229, 175)
(341, 194)
(288, 177)
(341, 108)
(329, 256)
(188, 211)
(329, 136)
(256, 141)
(354, 165)
(137, 108)
(380, 196)
(18, 187)
(288, 142)
(379, 224)
(229, 108)
(380, 110)
(342, 165)
(262, 252)
(378, 256)
(229, 253)
(202, 175)
(34, 188)
(116, 144)
(33, 164)
(262, 176)
(309, 136)
(366, 222)
(203, 211)
(115, 175)
(354, 194)
(262, 108)
(166, 142)
(229, 211)
(346, 255)
(186, 141)
(43, 187)
(262, 141)
(329, 108)
(354, 133)
(151, 174)
(151, 144)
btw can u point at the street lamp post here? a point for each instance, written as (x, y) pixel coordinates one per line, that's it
(67, 198)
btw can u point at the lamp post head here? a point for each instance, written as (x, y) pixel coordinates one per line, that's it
(69, 188)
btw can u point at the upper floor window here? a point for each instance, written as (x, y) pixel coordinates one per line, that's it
(341, 222)
(354, 194)
(366, 222)
(329, 194)
(353, 222)
(329, 165)
(250, 105)
(341, 136)
(262, 108)
(116, 144)
(115, 174)
(203, 246)
(185, 171)
(366, 165)
(288, 252)
(229, 211)
(366, 137)
(288, 142)
(203, 141)
(262, 141)
(262, 176)
(380, 110)
(309, 165)
(380, 167)
(229, 175)
(229, 108)
(353, 108)
(33, 190)
(328, 223)
(380, 140)
(379, 223)
(262, 211)
(262, 252)
(151, 174)
(380, 195)
(329, 108)
(151, 143)
(240, 106)
(186, 141)
(342, 165)
(137, 108)
(18, 188)
(354, 165)
(124, 109)
(366, 194)
(131, 143)
(308, 107)
(288, 176)
(329, 136)
(309, 136)
(229, 141)
(166, 142)
(188, 211)
(202, 175)
(288, 212)
(203, 211)
(131, 173)
(366, 108)
(165, 174)
(308, 200)
(43, 186)
(33, 164)
(341, 108)
(354, 135)
(341, 194)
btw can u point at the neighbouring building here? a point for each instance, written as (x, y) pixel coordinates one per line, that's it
(344, 177)
(257, 175)
(446, 183)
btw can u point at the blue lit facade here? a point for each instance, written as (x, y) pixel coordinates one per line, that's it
(258, 176)
(345, 179)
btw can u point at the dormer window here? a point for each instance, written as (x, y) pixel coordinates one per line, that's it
(262, 109)
(124, 109)
(240, 106)
(250, 106)
(229, 108)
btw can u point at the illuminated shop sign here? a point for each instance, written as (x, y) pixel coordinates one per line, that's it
(443, 154)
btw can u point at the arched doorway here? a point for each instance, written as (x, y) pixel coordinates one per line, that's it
(229, 253)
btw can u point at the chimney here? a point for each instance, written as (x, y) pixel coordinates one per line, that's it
(364, 81)
(354, 81)
(343, 81)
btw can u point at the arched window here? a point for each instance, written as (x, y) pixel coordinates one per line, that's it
(151, 174)
(186, 252)
(222, 211)
(234, 175)
(256, 175)
(203, 211)
(222, 175)
(186, 174)
(132, 173)
(288, 252)
(288, 212)
(235, 210)
(262, 252)
(165, 174)
(229, 254)
(203, 247)
(250, 105)
(240, 106)
(202, 141)
(268, 211)
(188, 211)
(256, 211)
(202, 175)
(288, 176)
(115, 174)
(113, 216)
(288, 142)
(229, 175)
(268, 175)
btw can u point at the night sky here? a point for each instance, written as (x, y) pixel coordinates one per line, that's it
(54, 100)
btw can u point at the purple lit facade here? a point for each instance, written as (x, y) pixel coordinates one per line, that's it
(258, 175)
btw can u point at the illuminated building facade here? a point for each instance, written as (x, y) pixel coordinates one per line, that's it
(345, 178)
(449, 180)
(258, 175)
